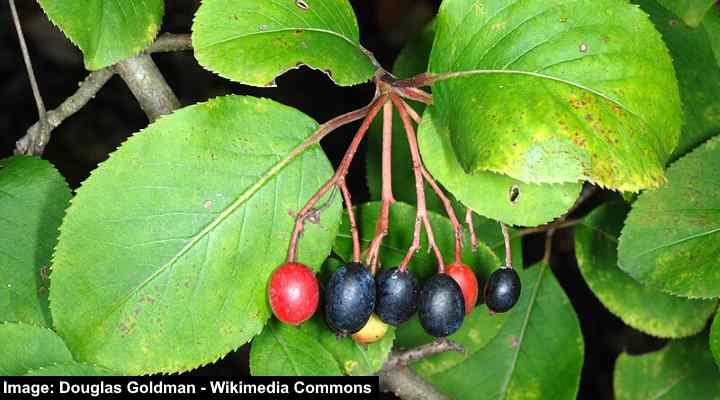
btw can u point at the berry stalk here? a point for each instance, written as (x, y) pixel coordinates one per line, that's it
(387, 197)
(508, 248)
(309, 210)
(471, 228)
(421, 216)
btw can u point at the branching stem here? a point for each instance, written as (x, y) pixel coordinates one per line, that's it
(369, 112)
(387, 198)
(421, 216)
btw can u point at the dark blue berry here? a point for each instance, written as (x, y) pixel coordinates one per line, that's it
(442, 307)
(397, 295)
(502, 290)
(349, 298)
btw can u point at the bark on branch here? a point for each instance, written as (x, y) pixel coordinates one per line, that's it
(35, 139)
(396, 377)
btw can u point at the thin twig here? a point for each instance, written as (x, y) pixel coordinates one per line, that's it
(457, 228)
(44, 131)
(387, 198)
(508, 248)
(548, 245)
(557, 225)
(421, 213)
(404, 358)
(34, 141)
(369, 112)
(407, 385)
(397, 378)
(351, 216)
(471, 227)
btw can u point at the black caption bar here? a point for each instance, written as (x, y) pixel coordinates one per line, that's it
(190, 387)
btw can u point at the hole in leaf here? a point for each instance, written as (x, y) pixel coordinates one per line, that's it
(514, 194)
(302, 4)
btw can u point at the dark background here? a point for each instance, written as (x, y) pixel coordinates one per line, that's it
(86, 138)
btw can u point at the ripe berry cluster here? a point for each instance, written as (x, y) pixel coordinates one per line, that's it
(352, 294)
(358, 301)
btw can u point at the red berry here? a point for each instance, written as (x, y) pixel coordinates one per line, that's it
(465, 278)
(294, 293)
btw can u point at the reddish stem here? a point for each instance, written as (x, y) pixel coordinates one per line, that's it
(421, 215)
(342, 185)
(471, 228)
(309, 209)
(387, 197)
(413, 93)
(457, 228)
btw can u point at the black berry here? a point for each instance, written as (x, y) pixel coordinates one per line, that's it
(397, 294)
(502, 290)
(349, 298)
(442, 307)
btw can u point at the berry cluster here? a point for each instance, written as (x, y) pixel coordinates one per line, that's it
(352, 294)
(361, 302)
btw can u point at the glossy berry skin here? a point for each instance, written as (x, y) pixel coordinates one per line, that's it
(294, 293)
(373, 331)
(465, 278)
(502, 290)
(397, 295)
(349, 298)
(442, 307)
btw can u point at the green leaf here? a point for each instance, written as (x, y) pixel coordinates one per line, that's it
(698, 72)
(71, 369)
(691, 11)
(287, 350)
(254, 41)
(167, 247)
(670, 239)
(477, 330)
(25, 347)
(493, 195)
(682, 370)
(645, 309)
(400, 236)
(313, 349)
(107, 31)
(715, 339)
(544, 203)
(557, 91)
(33, 198)
(537, 354)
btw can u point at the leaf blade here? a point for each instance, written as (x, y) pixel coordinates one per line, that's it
(133, 24)
(562, 99)
(27, 347)
(669, 239)
(261, 40)
(33, 198)
(186, 235)
(648, 310)
(682, 370)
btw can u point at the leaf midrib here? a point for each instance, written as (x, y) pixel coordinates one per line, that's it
(678, 241)
(523, 331)
(551, 78)
(239, 202)
(246, 35)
